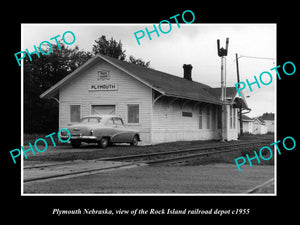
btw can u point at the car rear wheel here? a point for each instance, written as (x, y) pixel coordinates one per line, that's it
(75, 143)
(103, 143)
(134, 141)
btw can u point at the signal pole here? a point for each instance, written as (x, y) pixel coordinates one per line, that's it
(222, 53)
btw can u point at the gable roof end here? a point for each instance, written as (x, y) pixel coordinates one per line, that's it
(52, 90)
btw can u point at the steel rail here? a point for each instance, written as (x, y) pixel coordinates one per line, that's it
(258, 187)
(177, 151)
(189, 156)
(82, 172)
(233, 147)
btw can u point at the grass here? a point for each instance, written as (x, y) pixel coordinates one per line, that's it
(64, 152)
(248, 136)
(229, 157)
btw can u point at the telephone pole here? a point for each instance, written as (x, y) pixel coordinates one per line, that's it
(238, 80)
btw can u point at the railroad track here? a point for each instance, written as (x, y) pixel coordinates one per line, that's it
(262, 187)
(170, 156)
(69, 172)
(85, 167)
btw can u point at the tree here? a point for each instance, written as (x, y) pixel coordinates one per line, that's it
(138, 61)
(110, 48)
(41, 115)
(115, 49)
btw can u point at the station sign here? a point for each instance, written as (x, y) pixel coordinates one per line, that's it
(103, 87)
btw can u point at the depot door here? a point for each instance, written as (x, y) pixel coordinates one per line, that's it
(104, 109)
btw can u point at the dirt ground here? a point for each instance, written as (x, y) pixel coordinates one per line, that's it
(201, 179)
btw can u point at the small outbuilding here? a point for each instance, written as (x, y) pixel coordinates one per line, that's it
(259, 126)
(247, 125)
(163, 107)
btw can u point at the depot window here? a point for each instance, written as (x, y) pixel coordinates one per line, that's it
(219, 117)
(133, 113)
(187, 114)
(74, 113)
(200, 118)
(208, 116)
(232, 118)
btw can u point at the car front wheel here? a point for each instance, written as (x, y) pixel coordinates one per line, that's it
(134, 141)
(103, 143)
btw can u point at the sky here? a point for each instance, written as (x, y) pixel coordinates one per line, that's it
(194, 44)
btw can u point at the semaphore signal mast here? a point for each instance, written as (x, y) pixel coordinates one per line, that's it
(222, 52)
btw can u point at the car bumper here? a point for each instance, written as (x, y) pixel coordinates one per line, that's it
(79, 137)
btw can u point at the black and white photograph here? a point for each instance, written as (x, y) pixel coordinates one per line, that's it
(140, 113)
(179, 113)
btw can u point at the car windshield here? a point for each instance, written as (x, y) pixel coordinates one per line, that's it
(91, 120)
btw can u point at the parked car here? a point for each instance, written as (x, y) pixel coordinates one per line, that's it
(101, 129)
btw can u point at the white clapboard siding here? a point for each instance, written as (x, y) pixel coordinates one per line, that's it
(130, 91)
(168, 124)
(231, 132)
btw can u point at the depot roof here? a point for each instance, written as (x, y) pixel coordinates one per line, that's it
(164, 83)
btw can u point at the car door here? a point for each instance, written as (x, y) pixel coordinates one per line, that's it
(110, 128)
(123, 134)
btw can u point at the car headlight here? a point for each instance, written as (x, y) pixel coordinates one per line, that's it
(63, 133)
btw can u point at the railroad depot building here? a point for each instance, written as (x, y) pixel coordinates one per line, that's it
(163, 107)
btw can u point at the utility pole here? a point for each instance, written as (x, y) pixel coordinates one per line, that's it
(238, 80)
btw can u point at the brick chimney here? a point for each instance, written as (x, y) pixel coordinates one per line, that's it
(187, 71)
